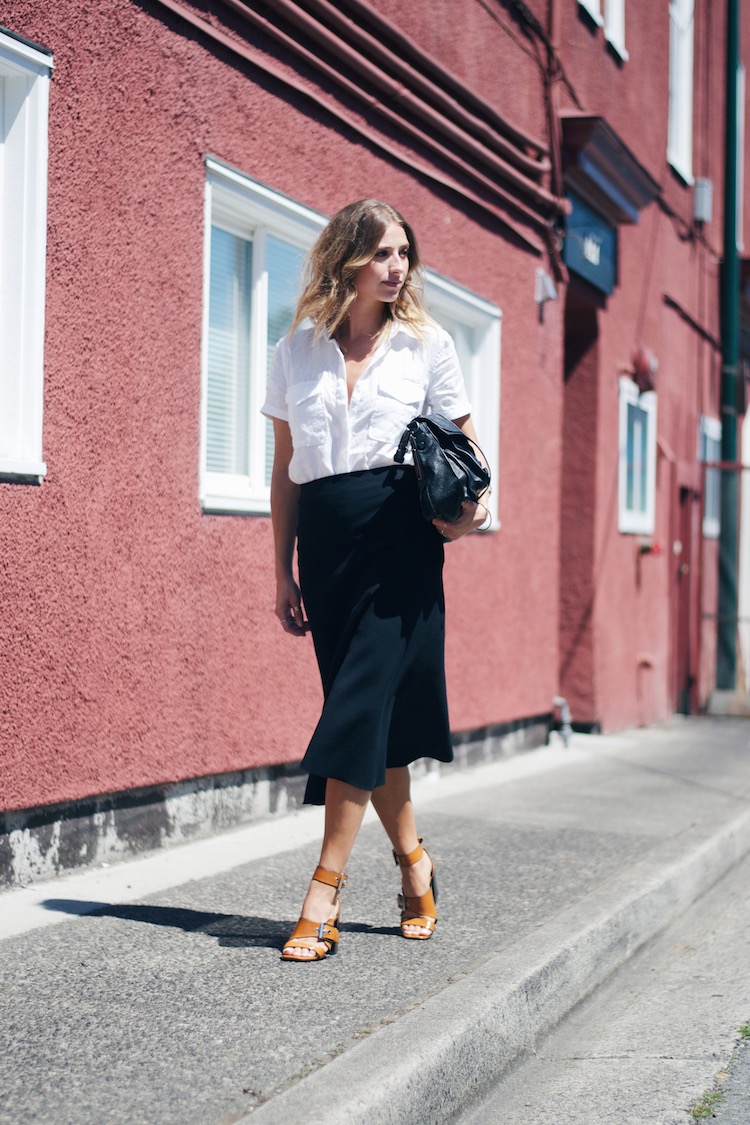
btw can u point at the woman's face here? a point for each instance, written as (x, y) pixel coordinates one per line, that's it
(384, 275)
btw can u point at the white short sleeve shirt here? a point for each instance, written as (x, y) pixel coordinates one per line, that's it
(330, 435)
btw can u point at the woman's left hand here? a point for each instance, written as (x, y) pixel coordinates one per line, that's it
(472, 517)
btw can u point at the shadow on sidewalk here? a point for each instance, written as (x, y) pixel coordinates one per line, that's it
(233, 930)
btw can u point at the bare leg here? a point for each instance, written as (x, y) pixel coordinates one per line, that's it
(345, 807)
(392, 803)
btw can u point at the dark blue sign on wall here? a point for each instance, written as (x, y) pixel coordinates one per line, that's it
(590, 246)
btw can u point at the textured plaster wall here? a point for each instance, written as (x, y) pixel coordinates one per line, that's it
(484, 45)
(139, 645)
(634, 601)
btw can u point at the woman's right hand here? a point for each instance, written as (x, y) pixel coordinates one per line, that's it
(289, 608)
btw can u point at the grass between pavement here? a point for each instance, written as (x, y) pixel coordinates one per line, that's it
(712, 1099)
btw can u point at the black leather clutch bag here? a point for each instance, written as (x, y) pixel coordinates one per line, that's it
(447, 467)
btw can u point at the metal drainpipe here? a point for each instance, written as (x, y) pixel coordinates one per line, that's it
(726, 655)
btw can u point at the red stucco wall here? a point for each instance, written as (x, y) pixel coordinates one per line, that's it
(662, 259)
(138, 640)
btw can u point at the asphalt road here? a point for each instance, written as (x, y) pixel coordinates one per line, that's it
(733, 1105)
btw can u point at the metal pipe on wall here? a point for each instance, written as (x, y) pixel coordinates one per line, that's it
(726, 653)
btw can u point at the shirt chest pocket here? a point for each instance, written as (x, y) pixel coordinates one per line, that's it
(397, 401)
(307, 413)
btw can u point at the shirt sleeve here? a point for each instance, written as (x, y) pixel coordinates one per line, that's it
(275, 405)
(446, 392)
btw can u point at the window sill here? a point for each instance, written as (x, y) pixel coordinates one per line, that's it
(23, 472)
(633, 525)
(231, 506)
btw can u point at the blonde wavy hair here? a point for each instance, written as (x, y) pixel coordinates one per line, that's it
(347, 243)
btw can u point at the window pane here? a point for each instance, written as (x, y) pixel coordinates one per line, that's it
(643, 462)
(636, 489)
(629, 476)
(284, 273)
(228, 353)
(712, 508)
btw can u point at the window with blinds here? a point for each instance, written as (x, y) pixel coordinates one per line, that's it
(637, 468)
(228, 390)
(255, 249)
(255, 245)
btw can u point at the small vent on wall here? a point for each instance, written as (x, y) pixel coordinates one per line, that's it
(703, 201)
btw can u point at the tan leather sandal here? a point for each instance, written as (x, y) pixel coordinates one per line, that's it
(310, 935)
(418, 910)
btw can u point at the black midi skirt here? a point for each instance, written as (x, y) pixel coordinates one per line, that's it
(371, 575)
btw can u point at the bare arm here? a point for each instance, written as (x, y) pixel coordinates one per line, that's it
(472, 515)
(284, 509)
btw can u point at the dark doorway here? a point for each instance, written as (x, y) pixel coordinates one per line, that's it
(684, 695)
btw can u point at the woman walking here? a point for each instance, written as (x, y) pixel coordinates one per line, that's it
(341, 389)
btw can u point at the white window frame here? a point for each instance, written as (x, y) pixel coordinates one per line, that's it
(594, 9)
(255, 211)
(680, 119)
(634, 521)
(482, 322)
(25, 73)
(250, 209)
(614, 27)
(709, 429)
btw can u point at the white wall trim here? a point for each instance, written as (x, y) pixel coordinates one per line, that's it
(681, 88)
(252, 210)
(632, 521)
(24, 107)
(482, 369)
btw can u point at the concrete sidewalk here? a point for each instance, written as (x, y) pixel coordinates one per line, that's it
(167, 1001)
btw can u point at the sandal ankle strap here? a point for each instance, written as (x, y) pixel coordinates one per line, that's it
(335, 879)
(409, 858)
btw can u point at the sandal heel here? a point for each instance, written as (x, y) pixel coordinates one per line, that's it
(418, 910)
(311, 935)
